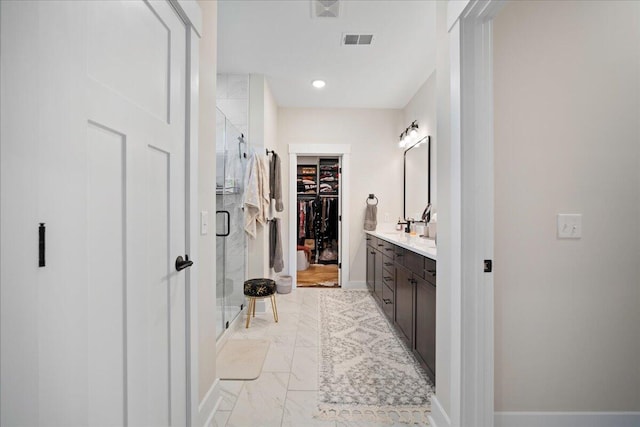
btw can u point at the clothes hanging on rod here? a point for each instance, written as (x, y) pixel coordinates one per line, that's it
(318, 221)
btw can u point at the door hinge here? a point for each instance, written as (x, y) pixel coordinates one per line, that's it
(488, 266)
(226, 325)
(339, 265)
(339, 217)
(339, 170)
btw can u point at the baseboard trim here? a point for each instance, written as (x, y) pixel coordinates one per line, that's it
(438, 417)
(209, 405)
(354, 285)
(566, 419)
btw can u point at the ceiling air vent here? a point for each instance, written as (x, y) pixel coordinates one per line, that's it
(325, 8)
(357, 39)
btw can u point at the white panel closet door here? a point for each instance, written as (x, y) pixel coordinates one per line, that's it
(93, 145)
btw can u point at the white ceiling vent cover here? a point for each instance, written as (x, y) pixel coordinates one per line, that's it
(357, 39)
(325, 8)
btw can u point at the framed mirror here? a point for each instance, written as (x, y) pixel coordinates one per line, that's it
(417, 178)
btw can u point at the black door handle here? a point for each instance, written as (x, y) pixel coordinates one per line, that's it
(228, 228)
(181, 264)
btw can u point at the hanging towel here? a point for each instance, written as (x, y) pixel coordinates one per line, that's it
(275, 246)
(275, 182)
(263, 188)
(252, 203)
(371, 217)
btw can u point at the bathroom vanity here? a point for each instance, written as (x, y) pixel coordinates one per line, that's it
(401, 275)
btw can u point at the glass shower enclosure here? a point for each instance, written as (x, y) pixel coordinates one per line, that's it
(230, 236)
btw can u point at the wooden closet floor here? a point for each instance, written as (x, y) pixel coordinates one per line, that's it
(319, 275)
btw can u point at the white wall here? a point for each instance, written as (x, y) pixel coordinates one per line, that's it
(271, 142)
(567, 140)
(376, 165)
(207, 197)
(263, 131)
(422, 107)
(232, 98)
(443, 188)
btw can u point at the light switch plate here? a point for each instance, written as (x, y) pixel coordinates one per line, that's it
(569, 226)
(204, 223)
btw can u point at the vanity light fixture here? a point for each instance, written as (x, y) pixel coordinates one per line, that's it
(409, 135)
(318, 84)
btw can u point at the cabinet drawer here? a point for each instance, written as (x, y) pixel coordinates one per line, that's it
(388, 249)
(388, 302)
(430, 271)
(387, 264)
(389, 278)
(414, 263)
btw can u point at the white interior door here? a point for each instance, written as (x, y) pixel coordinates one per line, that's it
(93, 145)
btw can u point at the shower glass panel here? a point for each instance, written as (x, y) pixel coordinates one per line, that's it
(230, 236)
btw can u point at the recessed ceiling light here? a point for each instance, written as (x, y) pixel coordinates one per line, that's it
(318, 84)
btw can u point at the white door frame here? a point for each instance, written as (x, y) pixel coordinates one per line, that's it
(469, 23)
(189, 12)
(344, 151)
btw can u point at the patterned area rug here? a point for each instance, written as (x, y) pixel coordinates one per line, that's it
(366, 371)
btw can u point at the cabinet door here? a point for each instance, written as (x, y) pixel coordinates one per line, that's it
(404, 303)
(425, 339)
(378, 282)
(371, 265)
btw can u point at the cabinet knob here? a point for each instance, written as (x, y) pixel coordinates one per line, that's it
(432, 273)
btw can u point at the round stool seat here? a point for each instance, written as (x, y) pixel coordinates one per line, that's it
(259, 287)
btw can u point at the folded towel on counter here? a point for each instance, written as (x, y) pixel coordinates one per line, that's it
(275, 246)
(371, 217)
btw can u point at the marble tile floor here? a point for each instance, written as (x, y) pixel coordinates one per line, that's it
(285, 394)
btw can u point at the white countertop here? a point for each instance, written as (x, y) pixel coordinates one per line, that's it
(419, 245)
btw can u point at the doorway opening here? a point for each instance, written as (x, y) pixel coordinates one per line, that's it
(318, 221)
(331, 162)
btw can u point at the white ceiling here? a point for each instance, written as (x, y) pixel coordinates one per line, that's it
(280, 39)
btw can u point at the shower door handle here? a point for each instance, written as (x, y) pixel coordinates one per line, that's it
(228, 226)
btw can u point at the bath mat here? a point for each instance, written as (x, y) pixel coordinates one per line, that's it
(366, 371)
(241, 359)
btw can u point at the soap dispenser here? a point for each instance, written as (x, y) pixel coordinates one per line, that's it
(399, 225)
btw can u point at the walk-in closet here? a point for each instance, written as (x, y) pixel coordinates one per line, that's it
(318, 221)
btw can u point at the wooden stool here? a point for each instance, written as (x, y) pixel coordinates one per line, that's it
(259, 289)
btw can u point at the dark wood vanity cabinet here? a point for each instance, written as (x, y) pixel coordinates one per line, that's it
(374, 266)
(425, 324)
(377, 283)
(404, 304)
(371, 264)
(404, 284)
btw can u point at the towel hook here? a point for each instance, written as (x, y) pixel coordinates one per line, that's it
(371, 197)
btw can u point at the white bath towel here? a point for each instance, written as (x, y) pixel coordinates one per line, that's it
(252, 203)
(263, 182)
